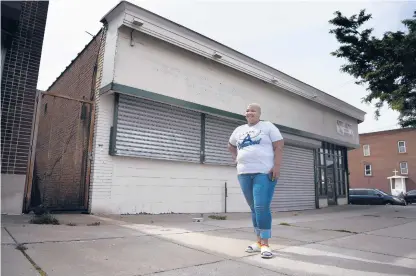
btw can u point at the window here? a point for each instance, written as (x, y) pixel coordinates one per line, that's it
(148, 129)
(153, 130)
(367, 170)
(404, 168)
(361, 192)
(380, 192)
(366, 150)
(331, 169)
(320, 172)
(401, 146)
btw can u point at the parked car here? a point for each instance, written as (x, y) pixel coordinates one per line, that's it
(364, 196)
(410, 196)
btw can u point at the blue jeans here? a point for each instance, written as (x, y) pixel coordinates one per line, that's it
(258, 190)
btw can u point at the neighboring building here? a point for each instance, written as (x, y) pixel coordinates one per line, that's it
(386, 160)
(166, 101)
(22, 32)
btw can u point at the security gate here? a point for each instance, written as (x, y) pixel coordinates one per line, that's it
(60, 158)
(295, 189)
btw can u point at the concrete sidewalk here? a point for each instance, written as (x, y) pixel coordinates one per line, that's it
(346, 240)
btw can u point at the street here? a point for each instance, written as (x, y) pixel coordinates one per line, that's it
(342, 240)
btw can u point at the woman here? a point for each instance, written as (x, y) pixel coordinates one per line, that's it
(257, 148)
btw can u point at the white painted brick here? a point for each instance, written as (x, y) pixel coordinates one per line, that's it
(136, 185)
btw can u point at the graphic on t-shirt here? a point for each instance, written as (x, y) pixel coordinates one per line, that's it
(248, 139)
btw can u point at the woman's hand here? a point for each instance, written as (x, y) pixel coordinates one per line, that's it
(275, 173)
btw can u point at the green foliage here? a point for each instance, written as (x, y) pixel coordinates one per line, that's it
(217, 217)
(387, 65)
(44, 219)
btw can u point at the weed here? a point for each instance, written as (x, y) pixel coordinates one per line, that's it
(97, 223)
(217, 217)
(342, 231)
(285, 224)
(44, 219)
(21, 247)
(71, 224)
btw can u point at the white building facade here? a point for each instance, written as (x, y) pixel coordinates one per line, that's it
(168, 100)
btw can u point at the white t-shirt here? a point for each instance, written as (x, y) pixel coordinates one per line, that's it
(254, 147)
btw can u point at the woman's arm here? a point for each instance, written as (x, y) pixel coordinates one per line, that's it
(278, 154)
(233, 150)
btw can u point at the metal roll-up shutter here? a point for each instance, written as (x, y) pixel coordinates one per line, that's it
(217, 135)
(155, 130)
(295, 189)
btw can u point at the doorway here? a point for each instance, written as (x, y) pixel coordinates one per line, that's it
(60, 166)
(331, 173)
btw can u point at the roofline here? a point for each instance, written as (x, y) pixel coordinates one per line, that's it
(104, 20)
(123, 2)
(75, 59)
(388, 131)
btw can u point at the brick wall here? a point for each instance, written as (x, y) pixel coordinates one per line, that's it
(18, 87)
(63, 134)
(384, 158)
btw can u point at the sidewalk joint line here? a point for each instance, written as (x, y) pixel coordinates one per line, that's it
(23, 251)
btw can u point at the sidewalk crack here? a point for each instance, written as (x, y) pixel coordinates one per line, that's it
(22, 248)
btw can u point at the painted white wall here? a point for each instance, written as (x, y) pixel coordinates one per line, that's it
(185, 38)
(152, 186)
(323, 202)
(110, 48)
(399, 186)
(102, 165)
(342, 201)
(12, 193)
(193, 78)
(122, 185)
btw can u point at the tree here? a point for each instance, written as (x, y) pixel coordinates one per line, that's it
(387, 65)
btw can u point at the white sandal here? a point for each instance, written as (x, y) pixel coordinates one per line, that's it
(266, 253)
(255, 247)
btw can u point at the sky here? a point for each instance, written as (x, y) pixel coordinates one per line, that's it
(291, 36)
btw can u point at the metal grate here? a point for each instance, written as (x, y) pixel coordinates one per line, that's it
(217, 135)
(295, 189)
(155, 130)
(18, 87)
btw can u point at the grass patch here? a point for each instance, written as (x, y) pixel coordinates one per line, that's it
(97, 223)
(71, 224)
(21, 247)
(217, 217)
(376, 216)
(44, 219)
(285, 224)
